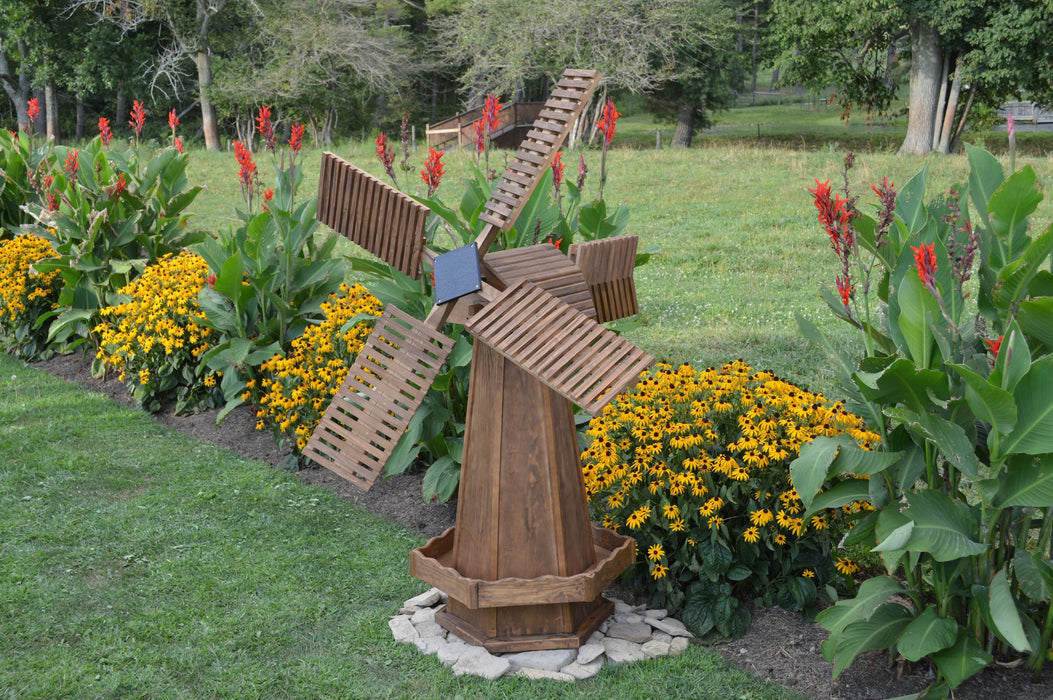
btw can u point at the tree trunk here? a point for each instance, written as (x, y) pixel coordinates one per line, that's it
(40, 125)
(952, 107)
(941, 104)
(79, 133)
(17, 88)
(925, 68)
(51, 110)
(208, 114)
(685, 126)
(962, 120)
(774, 79)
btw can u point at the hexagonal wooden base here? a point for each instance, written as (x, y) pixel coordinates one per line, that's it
(524, 568)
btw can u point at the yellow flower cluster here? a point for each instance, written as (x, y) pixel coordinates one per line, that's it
(154, 332)
(688, 455)
(295, 389)
(20, 285)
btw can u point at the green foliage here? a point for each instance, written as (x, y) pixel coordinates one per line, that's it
(695, 466)
(272, 275)
(965, 423)
(20, 163)
(107, 225)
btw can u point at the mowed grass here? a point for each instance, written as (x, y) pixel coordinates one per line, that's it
(741, 251)
(138, 562)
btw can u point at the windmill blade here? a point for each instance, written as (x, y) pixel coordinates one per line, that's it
(379, 396)
(547, 268)
(608, 265)
(373, 214)
(562, 347)
(537, 152)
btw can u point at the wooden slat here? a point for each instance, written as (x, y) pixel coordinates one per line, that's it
(570, 353)
(546, 267)
(543, 141)
(376, 216)
(376, 401)
(607, 265)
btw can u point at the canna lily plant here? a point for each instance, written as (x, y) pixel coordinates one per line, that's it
(955, 312)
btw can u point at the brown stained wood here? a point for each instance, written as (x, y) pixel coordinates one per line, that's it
(546, 267)
(376, 216)
(379, 396)
(607, 266)
(525, 318)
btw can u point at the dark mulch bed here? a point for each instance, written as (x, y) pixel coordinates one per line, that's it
(778, 646)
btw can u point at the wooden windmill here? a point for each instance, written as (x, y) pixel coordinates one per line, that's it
(524, 568)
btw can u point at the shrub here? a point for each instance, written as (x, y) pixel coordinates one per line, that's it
(25, 296)
(153, 339)
(695, 466)
(297, 388)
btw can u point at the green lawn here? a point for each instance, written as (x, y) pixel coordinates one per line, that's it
(137, 562)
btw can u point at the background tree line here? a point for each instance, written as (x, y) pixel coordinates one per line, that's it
(350, 66)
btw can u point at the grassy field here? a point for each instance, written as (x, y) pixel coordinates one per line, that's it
(138, 562)
(742, 252)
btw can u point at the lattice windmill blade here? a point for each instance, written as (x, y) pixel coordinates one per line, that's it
(547, 268)
(373, 214)
(560, 346)
(607, 266)
(536, 152)
(382, 391)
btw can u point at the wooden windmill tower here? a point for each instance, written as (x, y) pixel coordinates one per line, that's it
(524, 568)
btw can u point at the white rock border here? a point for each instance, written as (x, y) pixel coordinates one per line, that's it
(632, 633)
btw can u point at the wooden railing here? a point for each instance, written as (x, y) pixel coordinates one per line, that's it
(459, 128)
(1026, 112)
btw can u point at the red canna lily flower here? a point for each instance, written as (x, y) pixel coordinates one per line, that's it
(264, 126)
(72, 163)
(386, 154)
(138, 115)
(122, 185)
(433, 170)
(925, 262)
(557, 170)
(248, 168)
(994, 345)
(173, 121)
(211, 281)
(491, 112)
(480, 134)
(105, 135)
(178, 143)
(33, 109)
(607, 122)
(296, 137)
(268, 195)
(845, 289)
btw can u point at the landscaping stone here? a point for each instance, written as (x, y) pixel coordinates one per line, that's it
(589, 653)
(671, 626)
(528, 672)
(402, 629)
(632, 633)
(426, 599)
(620, 651)
(548, 660)
(583, 671)
(655, 648)
(638, 632)
(452, 652)
(479, 662)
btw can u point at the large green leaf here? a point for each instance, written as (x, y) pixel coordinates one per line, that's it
(1034, 403)
(1010, 206)
(962, 661)
(988, 402)
(872, 593)
(1032, 582)
(1035, 318)
(1005, 615)
(848, 491)
(926, 634)
(1015, 278)
(918, 308)
(881, 631)
(985, 177)
(949, 438)
(1028, 482)
(944, 528)
(910, 202)
(900, 381)
(809, 470)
